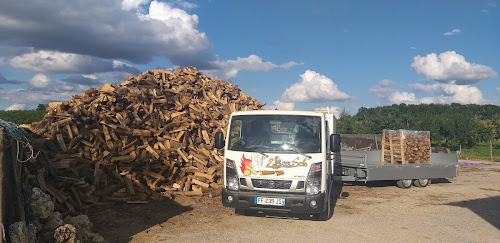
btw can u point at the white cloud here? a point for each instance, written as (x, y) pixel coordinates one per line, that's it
(16, 106)
(60, 62)
(333, 110)
(32, 98)
(413, 48)
(449, 93)
(121, 66)
(402, 97)
(453, 32)
(442, 93)
(179, 28)
(125, 30)
(40, 81)
(42, 89)
(184, 4)
(105, 29)
(278, 105)
(132, 4)
(383, 86)
(457, 93)
(384, 90)
(450, 67)
(90, 76)
(498, 88)
(314, 87)
(490, 5)
(229, 69)
(290, 64)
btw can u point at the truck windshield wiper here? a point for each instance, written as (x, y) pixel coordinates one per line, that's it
(289, 147)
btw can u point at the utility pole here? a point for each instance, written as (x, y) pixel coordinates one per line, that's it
(491, 150)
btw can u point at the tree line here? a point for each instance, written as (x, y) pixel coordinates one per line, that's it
(451, 125)
(24, 116)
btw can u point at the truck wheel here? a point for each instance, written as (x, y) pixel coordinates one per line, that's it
(405, 184)
(327, 214)
(421, 182)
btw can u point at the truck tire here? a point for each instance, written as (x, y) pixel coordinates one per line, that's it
(327, 214)
(405, 183)
(421, 182)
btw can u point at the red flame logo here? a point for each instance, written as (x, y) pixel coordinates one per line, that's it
(244, 163)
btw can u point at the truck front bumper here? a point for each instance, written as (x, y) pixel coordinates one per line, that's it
(295, 203)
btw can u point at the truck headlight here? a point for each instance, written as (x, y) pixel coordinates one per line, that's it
(232, 180)
(313, 182)
(313, 187)
(232, 183)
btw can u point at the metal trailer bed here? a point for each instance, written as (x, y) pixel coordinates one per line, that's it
(367, 166)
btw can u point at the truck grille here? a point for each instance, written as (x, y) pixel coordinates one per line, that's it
(271, 184)
(300, 185)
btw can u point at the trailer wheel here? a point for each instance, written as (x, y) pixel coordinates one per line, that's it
(421, 182)
(405, 184)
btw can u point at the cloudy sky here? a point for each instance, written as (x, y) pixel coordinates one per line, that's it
(299, 55)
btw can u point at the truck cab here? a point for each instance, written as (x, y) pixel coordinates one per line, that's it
(279, 161)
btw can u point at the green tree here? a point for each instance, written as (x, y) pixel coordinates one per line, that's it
(41, 107)
(450, 125)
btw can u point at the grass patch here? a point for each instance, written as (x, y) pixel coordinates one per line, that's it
(481, 151)
(343, 206)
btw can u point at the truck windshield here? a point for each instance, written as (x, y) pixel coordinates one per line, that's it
(275, 133)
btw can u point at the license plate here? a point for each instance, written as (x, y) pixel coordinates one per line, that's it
(270, 201)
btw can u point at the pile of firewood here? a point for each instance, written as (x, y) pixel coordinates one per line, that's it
(406, 147)
(133, 141)
(417, 146)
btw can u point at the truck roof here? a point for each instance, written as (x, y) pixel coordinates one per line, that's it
(276, 112)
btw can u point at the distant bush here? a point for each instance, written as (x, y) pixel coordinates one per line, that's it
(452, 126)
(24, 116)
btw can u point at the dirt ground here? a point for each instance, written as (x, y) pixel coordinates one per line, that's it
(464, 209)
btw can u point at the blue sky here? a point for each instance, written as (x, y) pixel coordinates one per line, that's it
(290, 54)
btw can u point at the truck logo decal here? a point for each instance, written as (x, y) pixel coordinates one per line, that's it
(276, 163)
(252, 166)
(270, 184)
(247, 166)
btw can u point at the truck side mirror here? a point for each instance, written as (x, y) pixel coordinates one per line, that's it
(335, 143)
(219, 140)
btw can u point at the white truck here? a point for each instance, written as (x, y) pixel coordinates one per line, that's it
(286, 161)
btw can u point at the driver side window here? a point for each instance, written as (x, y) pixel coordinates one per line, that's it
(235, 136)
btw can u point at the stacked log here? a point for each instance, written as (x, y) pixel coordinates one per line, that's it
(137, 140)
(417, 146)
(406, 147)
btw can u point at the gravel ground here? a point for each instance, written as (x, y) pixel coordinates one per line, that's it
(464, 209)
